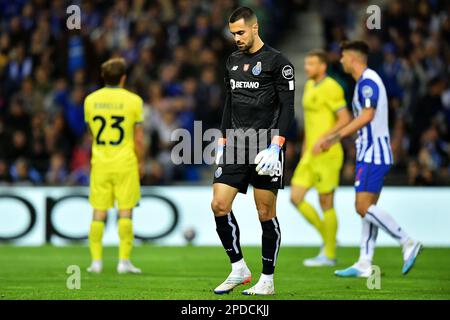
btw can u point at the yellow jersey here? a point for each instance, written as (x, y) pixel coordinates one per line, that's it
(320, 102)
(111, 113)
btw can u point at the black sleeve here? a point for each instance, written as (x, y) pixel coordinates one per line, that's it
(226, 117)
(284, 77)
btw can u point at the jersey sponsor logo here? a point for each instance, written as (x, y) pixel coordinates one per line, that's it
(257, 69)
(243, 84)
(246, 66)
(287, 72)
(234, 68)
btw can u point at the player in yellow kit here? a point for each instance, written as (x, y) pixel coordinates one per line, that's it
(325, 112)
(114, 116)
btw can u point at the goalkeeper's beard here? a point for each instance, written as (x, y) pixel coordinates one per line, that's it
(246, 48)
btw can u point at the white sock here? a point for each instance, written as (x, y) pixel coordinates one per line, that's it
(266, 277)
(385, 221)
(368, 239)
(238, 265)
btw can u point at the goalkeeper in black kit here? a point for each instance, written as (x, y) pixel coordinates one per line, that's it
(259, 109)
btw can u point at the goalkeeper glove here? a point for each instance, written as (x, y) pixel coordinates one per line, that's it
(267, 159)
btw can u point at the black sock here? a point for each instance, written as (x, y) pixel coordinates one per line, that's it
(228, 231)
(271, 240)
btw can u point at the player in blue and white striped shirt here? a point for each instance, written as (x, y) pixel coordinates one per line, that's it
(373, 160)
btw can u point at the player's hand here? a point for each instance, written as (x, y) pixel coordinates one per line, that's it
(267, 159)
(220, 149)
(318, 147)
(325, 144)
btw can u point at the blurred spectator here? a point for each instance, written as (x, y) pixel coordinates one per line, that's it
(411, 52)
(5, 177)
(57, 172)
(22, 174)
(176, 52)
(80, 162)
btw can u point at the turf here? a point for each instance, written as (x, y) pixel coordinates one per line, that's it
(192, 273)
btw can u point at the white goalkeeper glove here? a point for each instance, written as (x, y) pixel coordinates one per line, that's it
(267, 159)
(220, 149)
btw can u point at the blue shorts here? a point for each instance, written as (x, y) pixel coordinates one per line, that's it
(369, 177)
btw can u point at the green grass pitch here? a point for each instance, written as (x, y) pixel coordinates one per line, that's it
(192, 272)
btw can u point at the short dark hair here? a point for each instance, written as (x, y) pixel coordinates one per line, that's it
(356, 45)
(242, 13)
(113, 70)
(319, 53)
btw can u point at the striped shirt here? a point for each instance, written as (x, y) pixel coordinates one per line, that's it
(373, 143)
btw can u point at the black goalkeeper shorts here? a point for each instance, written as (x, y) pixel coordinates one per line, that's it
(239, 176)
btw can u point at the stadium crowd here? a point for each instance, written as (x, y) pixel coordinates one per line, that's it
(176, 51)
(411, 52)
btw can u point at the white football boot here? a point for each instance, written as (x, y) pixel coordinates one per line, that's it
(125, 266)
(96, 267)
(235, 278)
(321, 260)
(262, 288)
(411, 250)
(358, 270)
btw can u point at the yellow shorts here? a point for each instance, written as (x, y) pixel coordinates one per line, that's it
(321, 174)
(106, 187)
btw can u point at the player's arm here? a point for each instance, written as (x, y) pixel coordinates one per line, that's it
(343, 118)
(139, 147)
(359, 122)
(139, 136)
(86, 116)
(368, 93)
(285, 89)
(226, 117)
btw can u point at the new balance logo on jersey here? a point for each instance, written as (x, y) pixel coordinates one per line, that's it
(275, 179)
(243, 84)
(234, 68)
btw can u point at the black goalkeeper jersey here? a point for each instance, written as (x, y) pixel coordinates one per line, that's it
(260, 91)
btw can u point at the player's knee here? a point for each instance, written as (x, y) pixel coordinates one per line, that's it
(361, 208)
(265, 213)
(325, 204)
(220, 207)
(99, 215)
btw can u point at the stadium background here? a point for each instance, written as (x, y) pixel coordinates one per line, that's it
(176, 51)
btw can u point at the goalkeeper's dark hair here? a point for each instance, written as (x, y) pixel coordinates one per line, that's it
(113, 70)
(242, 13)
(356, 45)
(320, 54)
